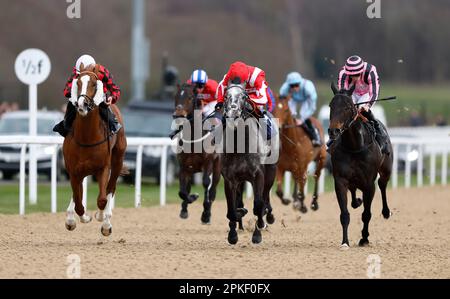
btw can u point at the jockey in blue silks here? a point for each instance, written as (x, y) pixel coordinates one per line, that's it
(301, 92)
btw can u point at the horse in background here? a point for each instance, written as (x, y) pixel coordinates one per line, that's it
(192, 162)
(91, 149)
(296, 153)
(357, 160)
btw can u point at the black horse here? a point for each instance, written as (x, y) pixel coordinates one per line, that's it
(357, 160)
(194, 159)
(243, 160)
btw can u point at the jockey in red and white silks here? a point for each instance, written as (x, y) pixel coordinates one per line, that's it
(256, 88)
(256, 85)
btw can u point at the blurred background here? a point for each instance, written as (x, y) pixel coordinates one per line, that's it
(409, 45)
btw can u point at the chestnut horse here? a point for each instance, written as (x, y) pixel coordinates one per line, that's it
(186, 105)
(90, 149)
(296, 153)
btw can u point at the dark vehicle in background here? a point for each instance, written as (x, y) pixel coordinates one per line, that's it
(149, 119)
(16, 123)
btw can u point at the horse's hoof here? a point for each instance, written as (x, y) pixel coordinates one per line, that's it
(303, 209)
(192, 197)
(285, 201)
(257, 236)
(296, 205)
(98, 218)
(85, 218)
(314, 206)
(206, 218)
(232, 237)
(106, 231)
(240, 225)
(241, 212)
(270, 218)
(71, 224)
(387, 214)
(184, 214)
(344, 246)
(363, 242)
(356, 203)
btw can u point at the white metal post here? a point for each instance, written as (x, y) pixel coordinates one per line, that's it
(322, 181)
(22, 180)
(137, 180)
(395, 167)
(433, 168)
(408, 167)
(420, 167)
(163, 178)
(54, 178)
(32, 164)
(444, 168)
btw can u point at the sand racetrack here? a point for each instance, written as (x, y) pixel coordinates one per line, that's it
(156, 243)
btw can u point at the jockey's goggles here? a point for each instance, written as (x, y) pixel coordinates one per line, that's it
(294, 85)
(200, 85)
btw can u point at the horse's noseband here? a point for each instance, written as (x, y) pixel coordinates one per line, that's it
(88, 101)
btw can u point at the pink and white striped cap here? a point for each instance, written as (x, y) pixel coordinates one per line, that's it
(354, 65)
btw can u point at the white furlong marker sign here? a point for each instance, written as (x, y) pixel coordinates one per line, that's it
(32, 67)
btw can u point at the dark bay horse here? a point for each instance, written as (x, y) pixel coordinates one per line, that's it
(295, 154)
(91, 150)
(240, 164)
(357, 160)
(196, 159)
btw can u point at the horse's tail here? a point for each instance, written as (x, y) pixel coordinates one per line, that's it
(124, 171)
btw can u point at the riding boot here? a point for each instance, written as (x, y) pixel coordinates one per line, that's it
(380, 134)
(108, 116)
(312, 133)
(269, 125)
(64, 126)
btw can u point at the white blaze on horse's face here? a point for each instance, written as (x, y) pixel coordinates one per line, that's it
(234, 101)
(82, 107)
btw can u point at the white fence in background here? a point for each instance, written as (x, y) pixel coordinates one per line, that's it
(56, 141)
(413, 150)
(410, 151)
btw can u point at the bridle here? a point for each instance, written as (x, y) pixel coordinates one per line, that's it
(89, 101)
(349, 123)
(248, 105)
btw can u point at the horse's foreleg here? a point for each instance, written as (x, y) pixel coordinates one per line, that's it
(230, 194)
(279, 192)
(340, 188)
(241, 211)
(207, 181)
(258, 207)
(71, 224)
(320, 162)
(269, 176)
(77, 197)
(385, 175)
(185, 189)
(300, 203)
(102, 179)
(366, 215)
